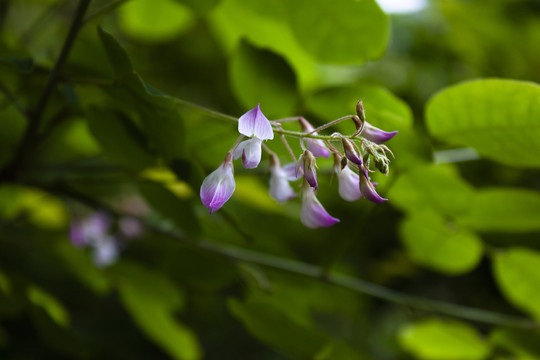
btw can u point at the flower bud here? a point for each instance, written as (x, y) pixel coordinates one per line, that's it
(310, 164)
(350, 151)
(360, 111)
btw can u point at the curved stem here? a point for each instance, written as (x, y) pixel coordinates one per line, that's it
(316, 272)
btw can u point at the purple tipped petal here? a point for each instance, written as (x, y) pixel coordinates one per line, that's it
(311, 177)
(290, 171)
(280, 189)
(76, 234)
(250, 151)
(376, 135)
(313, 215)
(367, 188)
(349, 185)
(254, 123)
(218, 187)
(317, 147)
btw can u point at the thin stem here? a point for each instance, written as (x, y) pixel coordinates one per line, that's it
(267, 149)
(316, 272)
(236, 143)
(214, 114)
(288, 119)
(331, 123)
(35, 115)
(104, 10)
(288, 147)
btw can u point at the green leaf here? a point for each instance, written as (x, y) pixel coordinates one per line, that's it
(437, 186)
(523, 344)
(157, 112)
(263, 319)
(259, 76)
(170, 206)
(504, 210)
(154, 20)
(117, 56)
(152, 299)
(341, 31)
(433, 339)
(432, 242)
(201, 7)
(119, 137)
(498, 118)
(49, 303)
(517, 271)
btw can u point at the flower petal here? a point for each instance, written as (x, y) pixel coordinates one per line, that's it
(376, 135)
(105, 252)
(290, 171)
(280, 189)
(368, 189)
(317, 147)
(254, 123)
(218, 187)
(313, 215)
(251, 153)
(349, 185)
(130, 227)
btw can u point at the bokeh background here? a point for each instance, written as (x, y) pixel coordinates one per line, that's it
(447, 269)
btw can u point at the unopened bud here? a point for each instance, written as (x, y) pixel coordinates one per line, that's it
(350, 151)
(310, 164)
(360, 111)
(381, 163)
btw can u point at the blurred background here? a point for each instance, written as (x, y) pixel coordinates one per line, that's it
(122, 135)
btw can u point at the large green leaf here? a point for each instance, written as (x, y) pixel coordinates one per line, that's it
(498, 118)
(262, 77)
(439, 187)
(49, 303)
(119, 137)
(157, 112)
(433, 339)
(432, 242)
(341, 31)
(504, 210)
(517, 271)
(152, 299)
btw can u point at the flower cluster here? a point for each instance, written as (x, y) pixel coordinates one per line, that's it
(97, 232)
(351, 165)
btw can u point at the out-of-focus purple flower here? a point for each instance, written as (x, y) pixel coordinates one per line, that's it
(376, 135)
(313, 215)
(254, 124)
(280, 189)
(316, 146)
(250, 151)
(367, 188)
(85, 231)
(291, 171)
(94, 231)
(130, 227)
(105, 251)
(349, 184)
(310, 164)
(350, 151)
(219, 186)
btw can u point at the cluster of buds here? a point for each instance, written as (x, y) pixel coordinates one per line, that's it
(352, 165)
(105, 237)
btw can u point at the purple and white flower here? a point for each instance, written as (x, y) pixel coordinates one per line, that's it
(367, 188)
(376, 135)
(250, 151)
(292, 171)
(280, 189)
(313, 215)
(255, 125)
(316, 146)
(219, 186)
(349, 184)
(94, 231)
